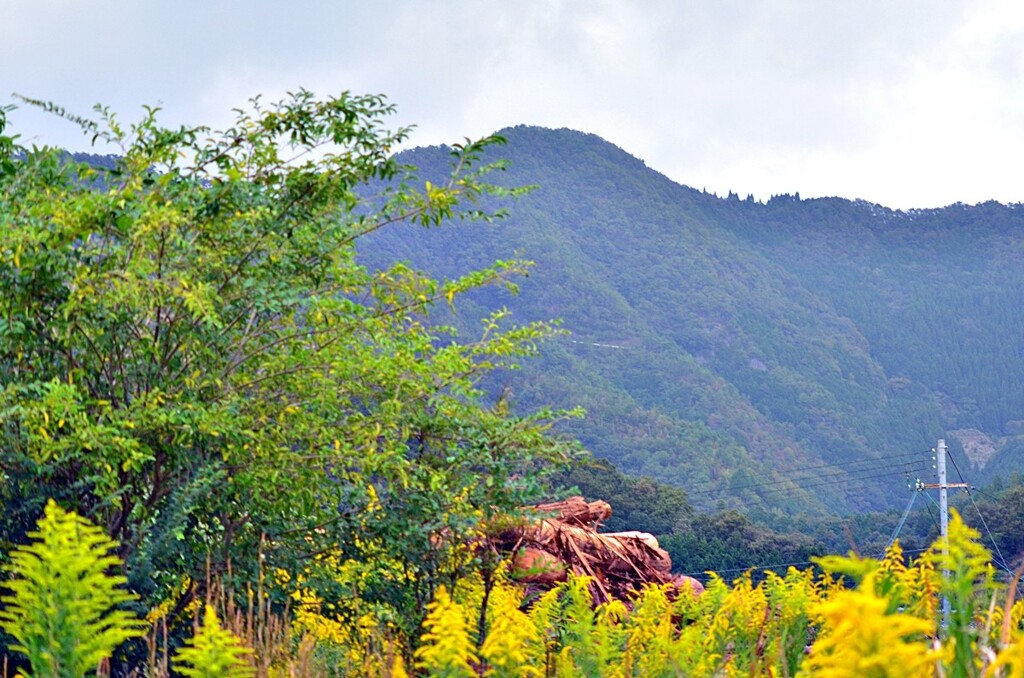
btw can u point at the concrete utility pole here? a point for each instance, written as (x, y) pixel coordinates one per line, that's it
(940, 466)
(943, 487)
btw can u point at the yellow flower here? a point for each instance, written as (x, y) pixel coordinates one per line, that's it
(860, 640)
(513, 646)
(446, 648)
(1012, 658)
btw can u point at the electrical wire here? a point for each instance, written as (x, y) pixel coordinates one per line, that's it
(986, 494)
(857, 475)
(838, 475)
(873, 465)
(774, 567)
(935, 519)
(995, 545)
(823, 480)
(866, 461)
(932, 499)
(903, 520)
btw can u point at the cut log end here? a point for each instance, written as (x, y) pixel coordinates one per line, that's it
(532, 565)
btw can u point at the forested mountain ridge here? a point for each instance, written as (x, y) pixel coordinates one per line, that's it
(788, 355)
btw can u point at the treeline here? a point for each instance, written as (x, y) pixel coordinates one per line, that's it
(726, 541)
(715, 340)
(730, 543)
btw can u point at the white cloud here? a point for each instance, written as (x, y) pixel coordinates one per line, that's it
(913, 103)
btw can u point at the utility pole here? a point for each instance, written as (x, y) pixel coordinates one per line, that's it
(943, 487)
(940, 466)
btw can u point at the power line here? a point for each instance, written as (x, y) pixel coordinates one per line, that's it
(769, 567)
(863, 474)
(903, 520)
(921, 455)
(995, 545)
(986, 494)
(935, 519)
(819, 481)
(837, 480)
(848, 474)
(870, 462)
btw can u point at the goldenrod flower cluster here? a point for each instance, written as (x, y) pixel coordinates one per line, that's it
(851, 616)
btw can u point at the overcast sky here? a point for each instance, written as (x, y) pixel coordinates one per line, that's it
(907, 103)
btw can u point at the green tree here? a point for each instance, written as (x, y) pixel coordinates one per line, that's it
(192, 355)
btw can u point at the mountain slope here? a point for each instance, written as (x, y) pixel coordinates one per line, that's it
(781, 356)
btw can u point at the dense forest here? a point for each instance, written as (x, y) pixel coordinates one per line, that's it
(789, 356)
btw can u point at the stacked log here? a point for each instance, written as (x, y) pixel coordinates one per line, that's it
(564, 538)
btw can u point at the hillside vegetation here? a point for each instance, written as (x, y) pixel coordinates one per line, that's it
(238, 438)
(794, 355)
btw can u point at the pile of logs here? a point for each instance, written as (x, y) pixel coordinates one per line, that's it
(564, 538)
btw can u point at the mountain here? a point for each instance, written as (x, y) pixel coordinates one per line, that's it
(789, 356)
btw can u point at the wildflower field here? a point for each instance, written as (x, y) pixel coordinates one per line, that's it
(852, 617)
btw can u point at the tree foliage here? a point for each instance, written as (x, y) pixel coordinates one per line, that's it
(193, 355)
